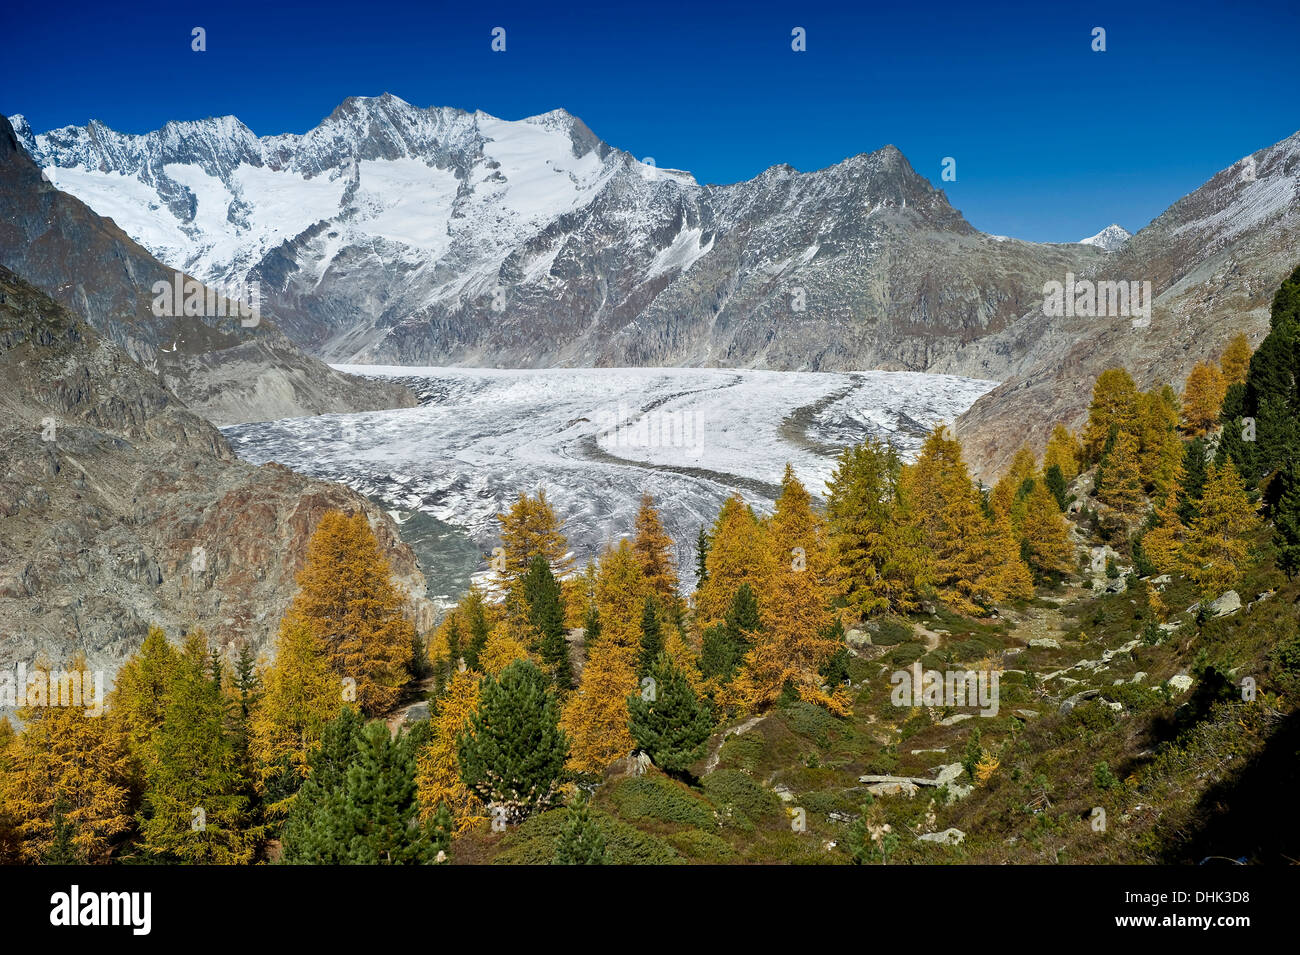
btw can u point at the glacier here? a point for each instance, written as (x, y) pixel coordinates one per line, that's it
(595, 439)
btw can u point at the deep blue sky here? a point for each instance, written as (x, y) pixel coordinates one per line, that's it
(1052, 140)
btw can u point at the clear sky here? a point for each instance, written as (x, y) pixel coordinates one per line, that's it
(1052, 140)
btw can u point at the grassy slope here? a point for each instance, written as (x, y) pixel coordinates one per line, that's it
(1180, 776)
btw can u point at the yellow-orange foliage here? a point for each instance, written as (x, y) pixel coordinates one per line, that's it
(1063, 450)
(437, 776)
(300, 694)
(69, 760)
(532, 527)
(621, 589)
(793, 646)
(595, 716)
(347, 596)
(1203, 397)
(1235, 362)
(737, 555)
(654, 552)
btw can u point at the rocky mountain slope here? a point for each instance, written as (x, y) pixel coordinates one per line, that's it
(1214, 260)
(435, 236)
(120, 508)
(221, 369)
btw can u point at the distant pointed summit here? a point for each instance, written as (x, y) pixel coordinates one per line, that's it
(1108, 239)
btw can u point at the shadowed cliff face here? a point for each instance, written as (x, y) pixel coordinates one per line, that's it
(220, 368)
(120, 508)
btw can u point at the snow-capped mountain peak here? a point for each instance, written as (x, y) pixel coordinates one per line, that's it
(1108, 239)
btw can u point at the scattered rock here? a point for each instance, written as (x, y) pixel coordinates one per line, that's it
(1048, 642)
(1179, 683)
(949, 837)
(1026, 714)
(1078, 698)
(857, 638)
(783, 792)
(1138, 677)
(948, 774)
(1226, 604)
(955, 719)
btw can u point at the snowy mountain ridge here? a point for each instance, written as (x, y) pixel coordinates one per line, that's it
(428, 236)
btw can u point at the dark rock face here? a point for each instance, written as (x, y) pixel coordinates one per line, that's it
(120, 508)
(214, 364)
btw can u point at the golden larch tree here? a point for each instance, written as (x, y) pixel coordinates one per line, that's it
(621, 590)
(595, 717)
(70, 764)
(346, 595)
(1235, 362)
(1217, 545)
(1063, 450)
(532, 527)
(437, 776)
(1114, 407)
(1203, 397)
(1121, 486)
(1046, 531)
(737, 555)
(654, 552)
(300, 694)
(793, 646)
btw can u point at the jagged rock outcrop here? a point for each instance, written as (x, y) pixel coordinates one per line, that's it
(120, 508)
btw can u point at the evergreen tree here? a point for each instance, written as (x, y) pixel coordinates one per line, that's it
(546, 618)
(512, 752)
(195, 808)
(672, 726)
(479, 628)
(581, 842)
(591, 627)
(835, 671)
(1055, 482)
(365, 811)
(652, 638)
(63, 848)
(247, 682)
(1192, 484)
(701, 558)
(1286, 518)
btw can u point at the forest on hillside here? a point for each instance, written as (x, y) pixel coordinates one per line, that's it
(609, 710)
